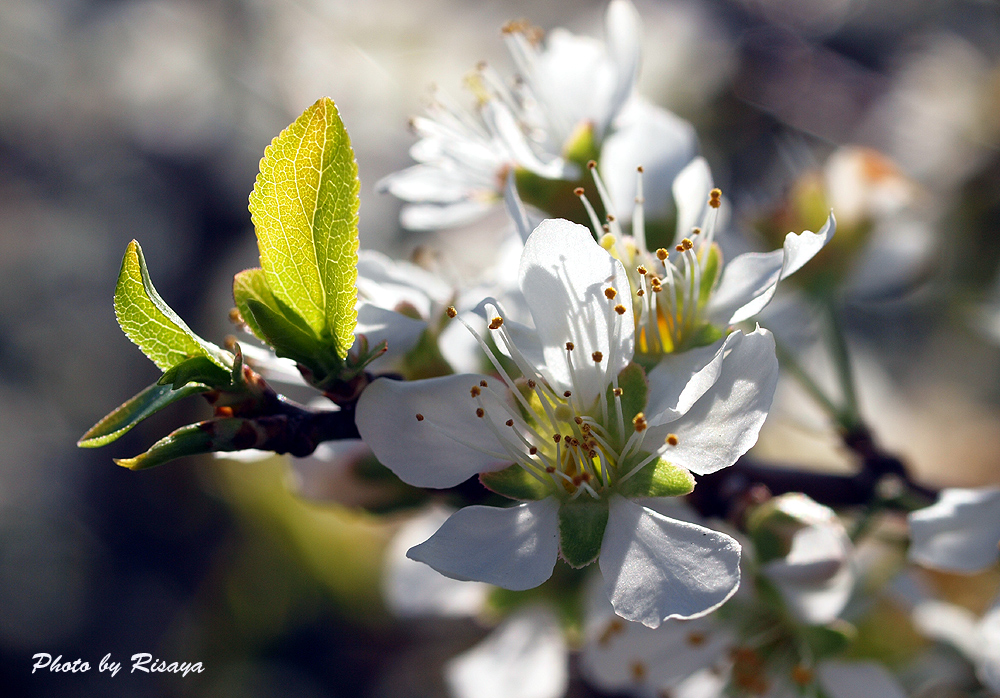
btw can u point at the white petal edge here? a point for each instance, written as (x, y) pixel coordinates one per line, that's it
(514, 548)
(657, 568)
(440, 450)
(525, 657)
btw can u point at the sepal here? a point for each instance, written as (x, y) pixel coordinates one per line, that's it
(146, 403)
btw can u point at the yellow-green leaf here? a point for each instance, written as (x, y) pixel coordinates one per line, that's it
(304, 207)
(151, 324)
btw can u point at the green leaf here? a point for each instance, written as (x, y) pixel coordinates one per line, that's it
(229, 434)
(252, 284)
(304, 207)
(659, 478)
(134, 410)
(197, 369)
(289, 339)
(581, 531)
(151, 324)
(515, 482)
(635, 393)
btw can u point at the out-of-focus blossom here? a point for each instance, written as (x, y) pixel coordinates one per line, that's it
(526, 656)
(563, 425)
(574, 101)
(976, 638)
(960, 532)
(412, 589)
(815, 576)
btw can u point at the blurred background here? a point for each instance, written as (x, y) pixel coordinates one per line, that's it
(146, 119)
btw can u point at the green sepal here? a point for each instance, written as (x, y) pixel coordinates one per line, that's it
(828, 640)
(658, 478)
(710, 273)
(581, 531)
(514, 482)
(229, 434)
(635, 393)
(147, 402)
(702, 336)
(197, 369)
(771, 529)
(581, 147)
(151, 324)
(304, 207)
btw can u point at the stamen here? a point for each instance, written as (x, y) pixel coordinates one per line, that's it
(480, 412)
(475, 391)
(610, 293)
(495, 323)
(597, 357)
(672, 439)
(639, 422)
(509, 422)
(569, 346)
(639, 212)
(617, 392)
(620, 309)
(662, 254)
(715, 198)
(420, 417)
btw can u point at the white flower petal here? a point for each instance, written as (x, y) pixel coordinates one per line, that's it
(842, 679)
(442, 449)
(725, 421)
(749, 281)
(400, 332)
(513, 548)
(960, 533)
(681, 378)
(662, 143)
(563, 275)
(388, 282)
(505, 125)
(691, 190)
(949, 623)
(657, 568)
(988, 668)
(426, 183)
(525, 657)
(624, 45)
(434, 216)
(412, 589)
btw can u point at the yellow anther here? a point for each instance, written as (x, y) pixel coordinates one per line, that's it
(597, 357)
(620, 309)
(495, 323)
(672, 439)
(578, 420)
(610, 293)
(509, 422)
(483, 383)
(662, 254)
(475, 391)
(532, 451)
(639, 422)
(531, 384)
(451, 311)
(567, 393)
(641, 269)
(640, 293)
(557, 437)
(480, 412)
(570, 346)
(420, 417)
(617, 392)
(715, 198)
(607, 241)
(591, 164)
(686, 242)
